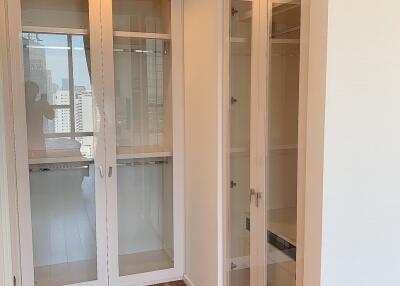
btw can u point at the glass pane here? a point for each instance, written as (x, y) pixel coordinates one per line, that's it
(240, 89)
(60, 147)
(286, 20)
(58, 94)
(283, 104)
(63, 223)
(143, 95)
(145, 218)
(144, 153)
(56, 13)
(149, 16)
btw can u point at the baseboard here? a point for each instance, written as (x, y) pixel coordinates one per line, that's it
(187, 281)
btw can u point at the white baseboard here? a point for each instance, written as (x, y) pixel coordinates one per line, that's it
(187, 281)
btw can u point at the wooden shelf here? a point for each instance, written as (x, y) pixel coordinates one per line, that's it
(54, 30)
(141, 35)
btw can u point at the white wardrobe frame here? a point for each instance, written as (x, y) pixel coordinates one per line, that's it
(102, 70)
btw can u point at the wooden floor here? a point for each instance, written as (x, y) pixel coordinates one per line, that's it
(176, 283)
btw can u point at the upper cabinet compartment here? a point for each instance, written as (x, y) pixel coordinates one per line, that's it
(72, 14)
(142, 16)
(286, 19)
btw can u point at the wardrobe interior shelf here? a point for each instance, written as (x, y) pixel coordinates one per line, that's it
(277, 3)
(142, 153)
(141, 35)
(283, 8)
(54, 30)
(58, 159)
(240, 150)
(278, 262)
(284, 32)
(283, 223)
(285, 41)
(245, 16)
(283, 147)
(73, 31)
(239, 40)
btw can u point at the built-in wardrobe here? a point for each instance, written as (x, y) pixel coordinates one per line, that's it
(98, 126)
(263, 225)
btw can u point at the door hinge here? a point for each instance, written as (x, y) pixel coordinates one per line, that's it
(234, 11)
(233, 100)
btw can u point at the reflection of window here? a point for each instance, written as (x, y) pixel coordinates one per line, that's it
(58, 64)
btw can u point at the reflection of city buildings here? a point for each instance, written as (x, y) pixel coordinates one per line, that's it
(73, 118)
(83, 110)
(84, 119)
(37, 72)
(62, 117)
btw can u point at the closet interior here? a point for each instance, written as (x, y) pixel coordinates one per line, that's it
(282, 141)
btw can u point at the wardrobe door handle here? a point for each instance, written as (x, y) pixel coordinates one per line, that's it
(110, 171)
(101, 171)
(252, 193)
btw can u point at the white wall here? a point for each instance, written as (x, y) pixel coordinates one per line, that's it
(203, 22)
(360, 194)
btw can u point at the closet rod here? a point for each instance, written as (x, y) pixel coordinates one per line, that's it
(287, 31)
(133, 164)
(140, 51)
(57, 168)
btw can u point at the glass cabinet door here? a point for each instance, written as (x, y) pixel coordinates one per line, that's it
(240, 113)
(62, 146)
(282, 110)
(142, 159)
